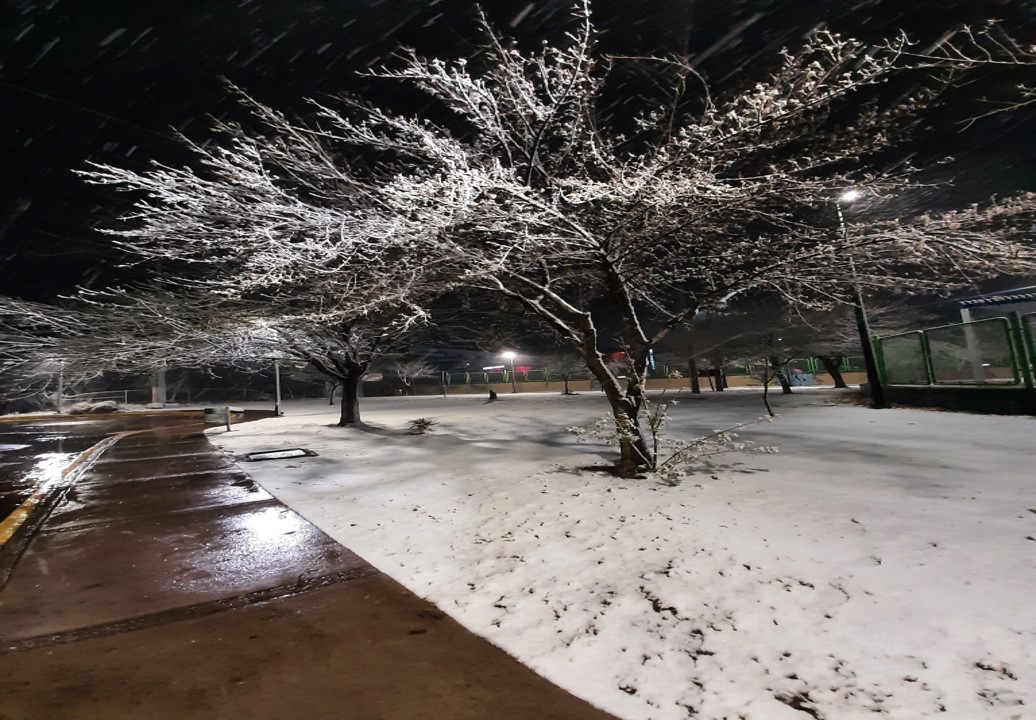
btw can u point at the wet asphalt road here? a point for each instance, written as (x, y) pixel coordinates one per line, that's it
(34, 451)
(165, 584)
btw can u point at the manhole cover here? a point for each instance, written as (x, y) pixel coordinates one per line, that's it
(279, 454)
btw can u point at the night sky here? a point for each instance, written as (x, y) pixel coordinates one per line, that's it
(107, 80)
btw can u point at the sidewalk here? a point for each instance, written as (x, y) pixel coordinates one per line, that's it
(168, 585)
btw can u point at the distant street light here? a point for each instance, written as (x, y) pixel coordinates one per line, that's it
(510, 358)
(862, 326)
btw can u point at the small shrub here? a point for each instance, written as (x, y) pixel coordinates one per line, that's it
(421, 425)
(672, 458)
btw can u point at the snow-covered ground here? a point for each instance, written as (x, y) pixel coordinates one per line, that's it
(882, 564)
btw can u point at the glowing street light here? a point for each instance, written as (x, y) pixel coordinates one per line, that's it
(509, 356)
(877, 392)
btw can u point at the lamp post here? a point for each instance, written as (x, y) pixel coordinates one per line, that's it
(61, 388)
(277, 388)
(510, 357)
(862, 326)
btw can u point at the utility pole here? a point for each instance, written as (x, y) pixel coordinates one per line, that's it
(877, 392)
(277, 388)
(61, 387)
(514, 382)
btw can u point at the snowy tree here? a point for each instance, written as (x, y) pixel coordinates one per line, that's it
(988, 46)
(762, 335)
(46, 348)
(703, 343)
(342, 351)
(409, 370)
(150, 329)
(831, 336)
(565, 364)
(529, 185)
(114, 331)
(766, 336)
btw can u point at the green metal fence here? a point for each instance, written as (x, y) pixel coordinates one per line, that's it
(797, 365)
(853, 364)
(904, 360)
(1026, 326)
(499, 376)
(992, 351)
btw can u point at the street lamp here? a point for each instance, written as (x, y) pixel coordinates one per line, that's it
(510, 357)
(862, 326)
(276, 388)
(61, 387)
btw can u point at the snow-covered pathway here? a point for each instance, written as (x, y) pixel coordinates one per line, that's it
(883, 562)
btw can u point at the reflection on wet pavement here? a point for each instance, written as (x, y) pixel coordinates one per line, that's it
(34, 451)
(178, 585)
(30, 459)
(161, 521)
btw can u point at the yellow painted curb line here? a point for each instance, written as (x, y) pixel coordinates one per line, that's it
(27, 418)
(93, 416)
(20, 514)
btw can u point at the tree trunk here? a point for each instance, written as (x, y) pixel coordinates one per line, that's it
(831, 365)
(633, 450)
(781, 376)
(766, 389)
(692, 370)
(331, 393)
(158, 387)
(351, 399)
(717, 367)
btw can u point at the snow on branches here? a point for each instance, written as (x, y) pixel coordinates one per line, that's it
(536, 188)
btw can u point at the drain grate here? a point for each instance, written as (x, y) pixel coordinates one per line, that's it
(278, 454)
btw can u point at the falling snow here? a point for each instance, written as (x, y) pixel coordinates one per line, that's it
(517, 19)
(111, 37)
(60, 76)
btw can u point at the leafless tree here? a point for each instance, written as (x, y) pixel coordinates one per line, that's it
(532, 190)
(149, 329)
(117, 331)
(831, 335)
(408, 371)
(710, 339)
(766, 336)
(565, 364)
(988, 46)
